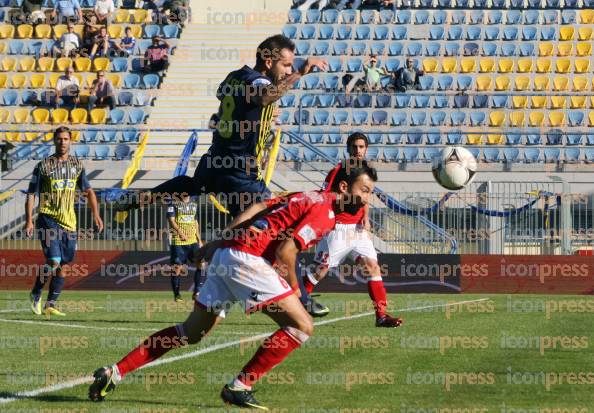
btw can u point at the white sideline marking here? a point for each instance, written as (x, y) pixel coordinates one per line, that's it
(88, 379)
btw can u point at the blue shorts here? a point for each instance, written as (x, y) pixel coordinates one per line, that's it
(182, 254)
(58, 244)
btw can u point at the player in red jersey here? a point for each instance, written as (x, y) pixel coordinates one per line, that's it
(350, 237)
(255, 264)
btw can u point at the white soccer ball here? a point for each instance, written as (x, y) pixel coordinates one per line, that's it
(455, 168)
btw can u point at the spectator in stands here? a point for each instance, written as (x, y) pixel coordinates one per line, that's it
(67, 90)
(100, 43)
(89, 33)
(127, 42)
(69, 43)
(102, 92)
(407, 78)
(156, 56)
(32, 12)
(158, 16)
(378, 4)
(67, 11)
(103, 10)
(177, 11)
(373, 74)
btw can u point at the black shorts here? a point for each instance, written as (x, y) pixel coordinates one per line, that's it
(58, 244)
(182, 254)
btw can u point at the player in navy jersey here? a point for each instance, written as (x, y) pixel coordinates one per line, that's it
(231, 167)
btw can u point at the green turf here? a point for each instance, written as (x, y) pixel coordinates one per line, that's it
(490, 356)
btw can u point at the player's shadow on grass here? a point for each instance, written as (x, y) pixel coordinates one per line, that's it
(64, 399)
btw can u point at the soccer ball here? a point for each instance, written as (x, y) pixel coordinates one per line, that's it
(454, 168)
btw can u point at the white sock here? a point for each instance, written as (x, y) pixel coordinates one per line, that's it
(238, 384)
(115, 374)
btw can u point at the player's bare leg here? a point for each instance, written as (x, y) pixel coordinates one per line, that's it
(198, 325)
(296, 327)
(377, 292)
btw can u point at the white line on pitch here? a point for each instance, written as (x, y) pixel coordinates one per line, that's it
(88, 379)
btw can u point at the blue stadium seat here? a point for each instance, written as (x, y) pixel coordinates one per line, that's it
(125, 98)
(119, 64)
(43, 151)
(329, 16)
(362, 33)
(22, 152)
(391, 154)
(283, 119)
(531, 17)
(30, 97)
(576, 118)
(414, 137)
(109, 135)
(358, 48)
(476, 152)
(386, 16)
(535, 4)
(514, 16)
(548, 33)
(301, 117)
(426, 82)
(131, 81)
(377, 48)
(117, 116)
(480, 101)
(334, 64)
(489, 49)
(494, 17)
(471, 49)
(151, 30)
(399, 118)
(438, 118)
(491, 154)
(375, 138)
(444, 82)
(312, 16)
(441, 101)
(294, 16)
(426, 3)
(574, 138)
(354, 64)
(142, 45)
(321, 117)
(326, 32)
(81, 151)
(430, 153)
(571, 3)
(130, 135)
(402, 101)
(330, 82)
(473, 33)
(436, 33)
(359, 117)
(35, 48)
(310, 81)
(499, 101)
(340, 48)
(568, 16)
(455, 33)
(308, 32)
(122, 151)
(553, 4)
(421, 17)
(533, 139)
(477, 118)
(137, 64)
(439, 17)
(421, 101)
(526, 49)
(344, 33)
(510, 33)
(340, 117)
(383, 101)
(291, 154)
(393, 138)
(433, 138)
(348, 16)
(90, 136)
(16, 47)
(554, 137)
(529, 33)
(452, 49)
(477, 15)
(392, 64)
(414, 49)
(101, 152)
(432, 49)
(325, 101)
(150, 81)
(458, 118)
(444, 3)
(170, 31)
(513, 139)
(330, 152)
(418, 118)
(315, 138)
(362, 101)
(334, 138)
(590, 139)
(589, 153)
(302, 48)
(454, 138)
(367, 17)
(403, 16)
(399, 33)
(410, 154)
(381, 33)
(511, 155)
(10, 98)
(458, 17)
(287, 101)
(508, 49)
(142, 98)
(461, 101)
(552, 155)
(395, 49)
(572, 155)
(464, 82)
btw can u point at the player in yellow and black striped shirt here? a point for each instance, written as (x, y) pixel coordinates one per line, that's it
(185, 240)
(55, 179)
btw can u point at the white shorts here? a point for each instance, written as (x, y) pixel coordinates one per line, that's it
(346, 240)
(236, 276)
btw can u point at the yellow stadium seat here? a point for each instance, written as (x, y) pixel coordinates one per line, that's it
(502, 83)
(543, 65)
(483, 83)
(558, 102)
(565, 49)
(525, 65)
(82, 64)
(580, 83)
(48, 136)
(494, 139)
(585, 33)
(581, 65)
(21, 115)
(59, 30)
(556, 119)
(474, 139)
(562, 65)
(79, 77)
(468, 65)
(78, 116)
(566, 33)
(577, 102)
(545, 49)
(4, 115)
(486, 65)
(6, 31)
(505, 65)
(536, 119)
(62, 63)
(100, 63)
(53, 79)
(519, 102)
(583, 49)
(18, 81)
(141, 16)
(430, 65)
(496, 118)
(522, 82)
(538, 102)
(13, 136)
(43, 31)
(115, 32)
(560, 83)
(116, 79)
(136, 30)
(517, 118)
(24, 31)
(586, 16)
(59, 116)
(31, 136)
(9, 64)
(3, 80)
(541, 83)
(98, 115)
(37, 80)
(591, 118)
(40, 115)
(75, 135)
(26, 64)
(3, 47)
(448, 65)
(45, 64)
(122, 16)
(80, 30)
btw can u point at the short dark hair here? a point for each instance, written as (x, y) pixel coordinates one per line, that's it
(350, 170)
(356, 136)
(62, 129)
(271, 47)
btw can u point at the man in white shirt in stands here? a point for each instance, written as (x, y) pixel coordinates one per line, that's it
(68, 44)
(104, 9)
(67, 90)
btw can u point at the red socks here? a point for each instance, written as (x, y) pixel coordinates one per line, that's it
(377, 293)
(308, 283)
(153, 348)
(272, 351)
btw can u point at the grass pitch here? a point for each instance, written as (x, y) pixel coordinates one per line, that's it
(464, 353)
